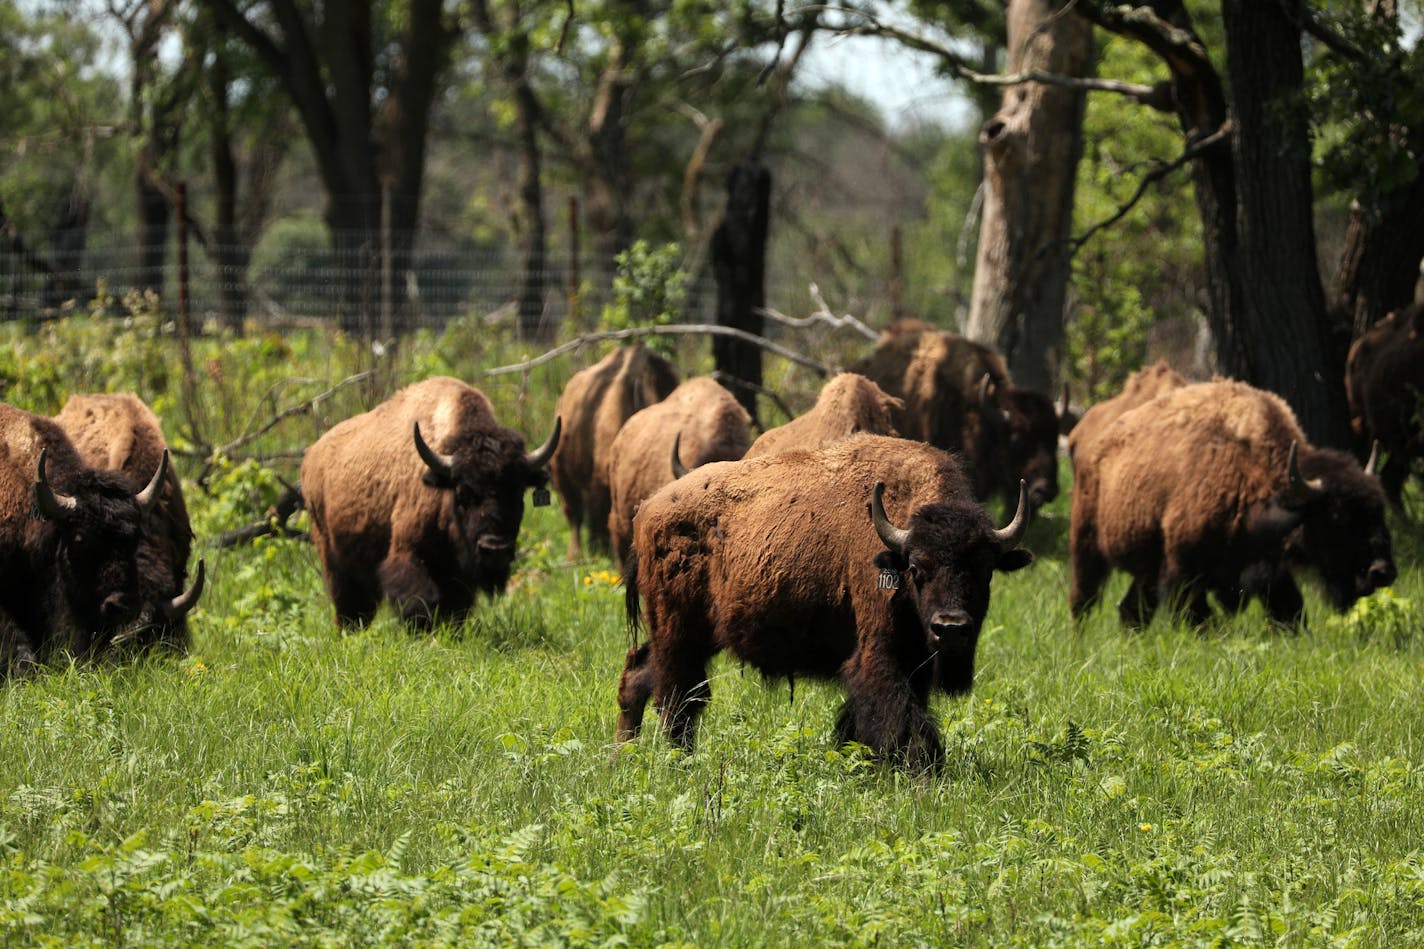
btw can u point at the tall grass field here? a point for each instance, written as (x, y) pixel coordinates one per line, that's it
(287, 783)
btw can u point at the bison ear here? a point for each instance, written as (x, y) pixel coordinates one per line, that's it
(889, 560)
(1011, 560)
(1274, 519)
(436, 480)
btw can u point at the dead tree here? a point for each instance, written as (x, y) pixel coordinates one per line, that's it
(739, 266)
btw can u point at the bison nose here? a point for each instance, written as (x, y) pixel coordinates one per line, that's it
(954, 623)
(491, 544)
(116, 608)
(1381, 574)
(1041, 492)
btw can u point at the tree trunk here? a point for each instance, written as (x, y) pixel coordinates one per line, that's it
(1281, 290)
(1380, 265)
(1031, 151)
(739, 266)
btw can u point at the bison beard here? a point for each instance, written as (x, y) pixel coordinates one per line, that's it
(796, 594)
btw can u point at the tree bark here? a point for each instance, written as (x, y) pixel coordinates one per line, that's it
(1379, 267)
(1031, 151)
(739, 266)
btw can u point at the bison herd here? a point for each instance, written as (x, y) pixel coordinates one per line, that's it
(849, 544)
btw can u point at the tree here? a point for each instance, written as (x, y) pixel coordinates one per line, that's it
(1031, 150)
(363, 77)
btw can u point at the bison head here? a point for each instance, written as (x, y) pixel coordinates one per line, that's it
(945, 559)
(486, 477)
(1342, 532)
(99, 521)
(1031, 436)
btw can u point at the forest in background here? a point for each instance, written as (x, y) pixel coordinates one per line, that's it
(430, 159)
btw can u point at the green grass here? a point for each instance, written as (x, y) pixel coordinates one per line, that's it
(290, 784)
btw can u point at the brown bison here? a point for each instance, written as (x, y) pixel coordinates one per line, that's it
(1143, 385)
(419, 501)
(594, 405)
(957, 396)
(791, 563)
(1384, 382)
(848, 404)
(68, 544)
(706, 423)
(120, 433)
(1212, 488)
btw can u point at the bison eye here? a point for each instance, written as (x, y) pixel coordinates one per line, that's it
(914, 572)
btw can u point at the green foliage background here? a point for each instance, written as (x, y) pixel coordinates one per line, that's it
(287, 783)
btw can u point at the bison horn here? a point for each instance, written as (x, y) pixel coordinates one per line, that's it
(148, 497)
(1009, 534)
(1302, 487)
(678, 468)
(540, 456)
(442, 465)
(180, 605)
(53, 505)
(1374, 458)
(988, 405)
(894, 538)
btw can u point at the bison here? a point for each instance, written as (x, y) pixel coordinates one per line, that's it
(419, 501)
(1212, 488)
(957, 395)
(120, 433)
(848, 404)
(792, 564)
(704, 420)
(1384, 382)
(1143, 385)
(594, 405)
(69, 539)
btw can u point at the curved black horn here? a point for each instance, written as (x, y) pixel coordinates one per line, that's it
(442, 465)
(148, 497)
(1009, 534)
(1374, 458)
(1299, 485)
(894, 538)
(540, 456)
(52, 504)
(678, 468)
(180, 605)
(988, 405)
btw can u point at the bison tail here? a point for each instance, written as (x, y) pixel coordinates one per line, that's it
(631, 603)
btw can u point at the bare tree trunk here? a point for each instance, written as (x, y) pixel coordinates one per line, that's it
(1031, 151)
(739, 264)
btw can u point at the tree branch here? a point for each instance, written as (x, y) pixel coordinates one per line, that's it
(675, 329)
(823, 314)
(1193, 150)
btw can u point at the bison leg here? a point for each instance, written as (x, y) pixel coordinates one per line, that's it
(355, 602)
(1283, 601)
(1088, 569)
(410, 589)
(682, 692)
(574, 514)
(634, 689)
(1393, 474)
(890, 717)
(1138, 605)
(17, 655)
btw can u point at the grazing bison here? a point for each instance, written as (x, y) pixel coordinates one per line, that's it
(847, 405)
(68, 543)
(594, 405)
(419, 501)
(120, 433)
(707, 424)
(1384, 381)
(1213, 488)
(1143, 385)
(784, 561)
(957, 396)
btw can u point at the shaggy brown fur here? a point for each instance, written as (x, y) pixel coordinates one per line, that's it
(775, 560)
(66, 583)
(848, 404)
(1189, 493)
(939, 376)
(387, 525)
(594, 405)
(120, 433)
(1143, 385)
(1384, 382)
(710, 425)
